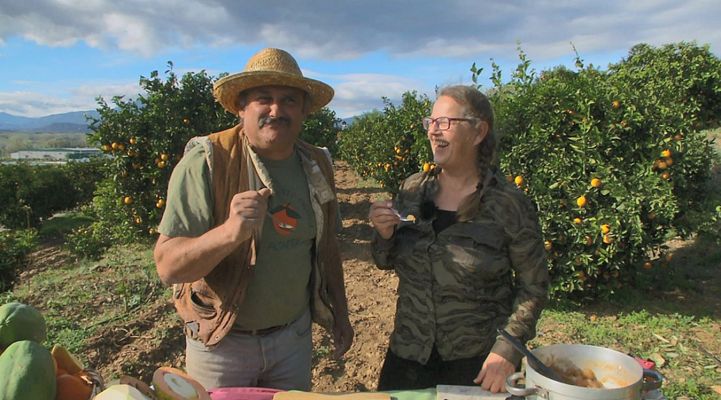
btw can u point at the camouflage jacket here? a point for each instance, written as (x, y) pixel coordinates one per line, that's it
(457, 287)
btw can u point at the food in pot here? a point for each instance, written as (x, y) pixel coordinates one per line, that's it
(574, 375)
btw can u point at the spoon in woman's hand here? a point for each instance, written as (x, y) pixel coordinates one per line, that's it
(407, 218)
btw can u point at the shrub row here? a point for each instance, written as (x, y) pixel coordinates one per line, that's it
(33, 193)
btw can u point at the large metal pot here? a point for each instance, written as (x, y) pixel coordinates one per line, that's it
(621, 376)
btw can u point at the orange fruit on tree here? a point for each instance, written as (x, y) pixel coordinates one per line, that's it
(71, 387)
(133, 140)
(616, 104)
(128, 200)
(669, 161)
(665, 176)
(605, 228)
(164, 156)
(581, 201)
(661, 164)
(577, 221)
(162, 164)
(647, 265)
(518, 180)
(547, 245)
(595, 182)
(160, 203)
(426, 167)
(608, 239)
(106, 148)
(666, 153)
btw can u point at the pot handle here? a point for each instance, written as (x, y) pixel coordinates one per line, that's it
(652, 380)
(517, 390)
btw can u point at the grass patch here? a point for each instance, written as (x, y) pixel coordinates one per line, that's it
(61, 224)
(80, 299)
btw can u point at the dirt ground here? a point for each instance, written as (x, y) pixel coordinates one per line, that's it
(371, 296)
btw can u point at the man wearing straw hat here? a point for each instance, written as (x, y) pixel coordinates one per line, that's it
(248, 235)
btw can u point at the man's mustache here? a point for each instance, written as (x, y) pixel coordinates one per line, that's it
(269, 120)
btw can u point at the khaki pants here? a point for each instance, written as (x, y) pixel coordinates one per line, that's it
(279, 360)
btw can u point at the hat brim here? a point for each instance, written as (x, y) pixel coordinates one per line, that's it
(227, 89)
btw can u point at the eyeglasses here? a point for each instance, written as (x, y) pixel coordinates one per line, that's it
(443, 123)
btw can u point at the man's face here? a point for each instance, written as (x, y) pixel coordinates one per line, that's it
(272, 119)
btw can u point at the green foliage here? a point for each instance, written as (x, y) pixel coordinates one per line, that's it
(613, 162)
(84, 177)
(14, 247)
(389, 146)
(11, 142)
(145, 138)
(680, 73)
(31, 193)
(111, 224)
(321, 129)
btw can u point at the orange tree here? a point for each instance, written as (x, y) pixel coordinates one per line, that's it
(389, 146)
(614, 164)
(144, 139)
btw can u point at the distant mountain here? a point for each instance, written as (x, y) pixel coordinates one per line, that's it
(62, 123)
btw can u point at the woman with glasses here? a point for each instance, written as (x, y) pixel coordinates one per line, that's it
(467, 249)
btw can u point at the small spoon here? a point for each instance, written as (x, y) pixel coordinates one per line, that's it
(407, 218)
(533, 361)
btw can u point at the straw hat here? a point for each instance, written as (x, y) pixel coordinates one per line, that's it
(266, 68)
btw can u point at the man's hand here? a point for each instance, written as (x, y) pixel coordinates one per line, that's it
(247, 213)
(384, 218)
(494, 372)
(342, 337)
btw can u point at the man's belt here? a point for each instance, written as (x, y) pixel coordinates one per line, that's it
(260, 332)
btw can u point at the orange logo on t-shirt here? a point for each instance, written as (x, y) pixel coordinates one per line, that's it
(285, 219)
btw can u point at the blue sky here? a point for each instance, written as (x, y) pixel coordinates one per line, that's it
(59, 55)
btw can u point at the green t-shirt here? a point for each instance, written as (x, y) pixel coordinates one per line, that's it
(278, 292)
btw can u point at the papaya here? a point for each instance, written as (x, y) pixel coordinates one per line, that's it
(21, 322)
(71, 387)
(66, 360)
(27, 372)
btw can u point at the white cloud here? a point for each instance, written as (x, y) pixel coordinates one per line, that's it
(358, 93)
(347, 29)
(37, 102)
(453, 31)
